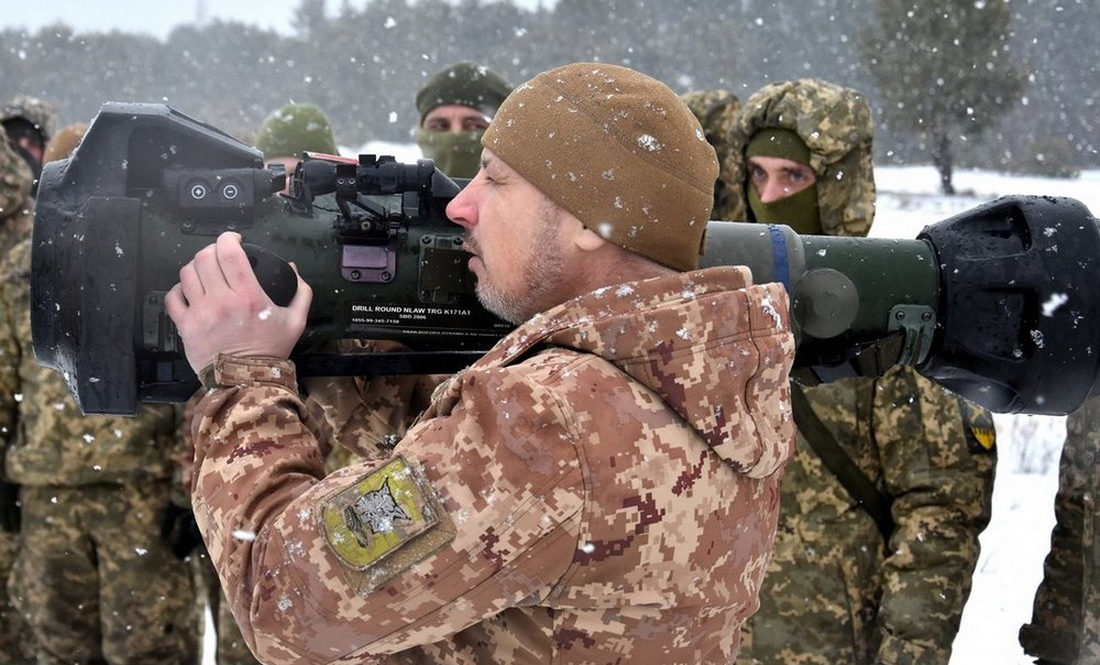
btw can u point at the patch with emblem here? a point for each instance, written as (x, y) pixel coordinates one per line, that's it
(387, 521)
(981, 434)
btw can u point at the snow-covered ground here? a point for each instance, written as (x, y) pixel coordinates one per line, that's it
(1017, 539)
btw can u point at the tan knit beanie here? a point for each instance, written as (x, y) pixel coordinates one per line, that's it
(617, 149)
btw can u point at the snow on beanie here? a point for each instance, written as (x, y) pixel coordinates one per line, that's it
(617, 149)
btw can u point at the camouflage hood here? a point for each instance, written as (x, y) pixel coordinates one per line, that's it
(698, 340)
(16, 202)
(835, 124)
(717, 112)
(15, 180)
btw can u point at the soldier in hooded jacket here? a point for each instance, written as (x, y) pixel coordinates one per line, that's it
(838, 589)
(717, 111)
(16, 202)
(93, 576)
(1065, 620)
(29, 123)
(16, 217)
(601, 486)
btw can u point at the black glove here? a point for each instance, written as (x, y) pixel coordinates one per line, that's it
(179, 530)
(10, 515)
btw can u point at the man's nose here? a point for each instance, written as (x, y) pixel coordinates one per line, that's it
(461, 209)
(774, 191)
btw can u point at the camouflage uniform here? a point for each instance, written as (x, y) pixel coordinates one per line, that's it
(835, 123)
(357, 411)
(717, 111)
(95, 577)
(16, 217)
(28, 113)
(602, 486)
(229, 646)
(1065, 621)
(16, 204)
(834, 591)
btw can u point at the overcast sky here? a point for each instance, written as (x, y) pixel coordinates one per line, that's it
(158, 17)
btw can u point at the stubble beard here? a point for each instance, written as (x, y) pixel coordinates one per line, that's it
(541, 278)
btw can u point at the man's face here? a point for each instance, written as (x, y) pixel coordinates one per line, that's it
(455, 118)
(776, 178)
(514, 233)
(35, 148)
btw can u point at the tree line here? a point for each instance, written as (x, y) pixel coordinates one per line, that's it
(973, 83)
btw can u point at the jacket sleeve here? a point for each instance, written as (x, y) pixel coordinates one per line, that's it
(10, 359)
(475, 511)
(366, 416)
(941, 479)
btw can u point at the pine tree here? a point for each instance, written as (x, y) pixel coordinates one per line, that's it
(943, 70)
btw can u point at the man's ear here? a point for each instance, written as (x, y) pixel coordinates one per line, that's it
(587, 240)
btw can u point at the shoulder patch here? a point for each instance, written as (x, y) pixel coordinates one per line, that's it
(385, 523)
(981, 434)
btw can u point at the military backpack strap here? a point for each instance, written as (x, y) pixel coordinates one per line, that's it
(857, 484)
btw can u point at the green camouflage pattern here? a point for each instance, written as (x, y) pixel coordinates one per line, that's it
(1065, 617)
(16, 639)
(363, 416)
(603, 485)
(98, 582)
(717, 112)
(52, 450)
(16, 217)
(836, 124)
(49, 441)
(16, 204)
(834, 591)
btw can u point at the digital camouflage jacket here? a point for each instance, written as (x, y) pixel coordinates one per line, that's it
(602, 486)
(16, 204)
(1065, 619)
(835, 592)
(49, 441)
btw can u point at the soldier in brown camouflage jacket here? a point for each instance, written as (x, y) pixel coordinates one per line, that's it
(93, 575)
(1065, 620)
(601, 486)
(835, 590)
(16, 216)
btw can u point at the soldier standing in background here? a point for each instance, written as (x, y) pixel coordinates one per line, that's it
(1065, 619)
(16, 218)
(29, 122)
(892, 479)
(716, 111)
(16, 201)
(456, 105)
(292, 130)
(93, 576)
